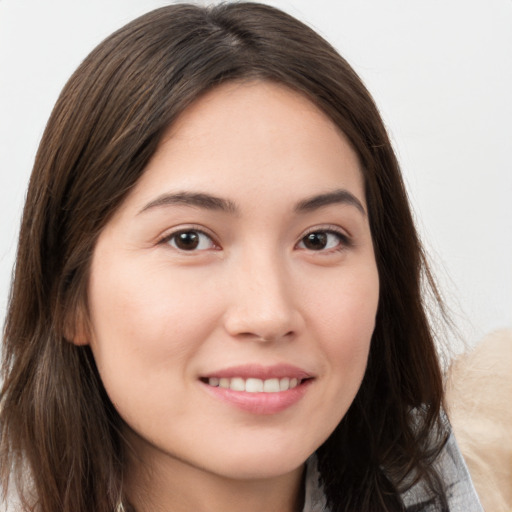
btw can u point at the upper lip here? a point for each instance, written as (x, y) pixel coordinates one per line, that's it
(262, 372)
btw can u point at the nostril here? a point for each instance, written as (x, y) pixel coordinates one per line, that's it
(264, 324)
(268, 338)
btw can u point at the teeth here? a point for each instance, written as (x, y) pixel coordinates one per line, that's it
(284, 384)
(253, 385)
(271, 386)
(237, 384)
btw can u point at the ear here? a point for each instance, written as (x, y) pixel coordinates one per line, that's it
(76, 327)
(79, 339)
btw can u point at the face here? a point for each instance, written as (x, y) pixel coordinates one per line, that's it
(233, 295)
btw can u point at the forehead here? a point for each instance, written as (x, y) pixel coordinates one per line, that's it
(253, 136)
(266, 108)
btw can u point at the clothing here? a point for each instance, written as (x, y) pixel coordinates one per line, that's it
(450, 464)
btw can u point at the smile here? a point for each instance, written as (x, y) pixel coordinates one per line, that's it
(260, 390)
(255, 385)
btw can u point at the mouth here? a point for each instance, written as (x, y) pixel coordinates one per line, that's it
(259, 389)
(255, 385)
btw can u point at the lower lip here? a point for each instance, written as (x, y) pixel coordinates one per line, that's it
(260, 403)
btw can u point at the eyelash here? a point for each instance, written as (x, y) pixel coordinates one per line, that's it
(344, 240)
(190, 229)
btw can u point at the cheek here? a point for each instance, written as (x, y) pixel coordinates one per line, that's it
(145, 332)
(347, 305)
(346, 324)
(145, 319)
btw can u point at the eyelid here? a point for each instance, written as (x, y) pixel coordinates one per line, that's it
(163, 239)
(345, 238)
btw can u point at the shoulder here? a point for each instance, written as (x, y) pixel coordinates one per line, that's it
(460, 493)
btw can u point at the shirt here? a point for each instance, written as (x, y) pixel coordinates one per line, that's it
(461, 494)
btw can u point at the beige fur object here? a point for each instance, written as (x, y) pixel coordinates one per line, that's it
(479, 402)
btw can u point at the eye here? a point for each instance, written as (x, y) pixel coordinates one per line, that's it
(190, 240)
(323, 240)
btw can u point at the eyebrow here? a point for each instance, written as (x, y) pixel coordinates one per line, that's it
(340, 196)
(210, 202)
(197, 199)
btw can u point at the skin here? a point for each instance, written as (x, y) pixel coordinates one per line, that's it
(251, 292)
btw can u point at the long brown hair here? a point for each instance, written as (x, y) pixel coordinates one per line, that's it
(60, 439)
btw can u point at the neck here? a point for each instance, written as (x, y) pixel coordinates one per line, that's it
(165, 484)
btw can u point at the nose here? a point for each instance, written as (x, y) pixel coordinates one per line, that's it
(263, 306)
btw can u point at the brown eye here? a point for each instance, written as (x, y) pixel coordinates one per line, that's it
(322, 240)
(315, 241)
(190, 240)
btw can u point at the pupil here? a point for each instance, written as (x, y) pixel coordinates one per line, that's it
(316, 241)
(188, 240)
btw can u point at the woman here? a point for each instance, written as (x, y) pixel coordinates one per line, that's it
(216, 302)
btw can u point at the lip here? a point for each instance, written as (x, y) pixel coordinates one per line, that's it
(257, 371)
(260, 403)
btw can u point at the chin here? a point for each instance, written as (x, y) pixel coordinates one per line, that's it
(261, 466)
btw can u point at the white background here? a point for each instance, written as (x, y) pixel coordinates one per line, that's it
(441, 72)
